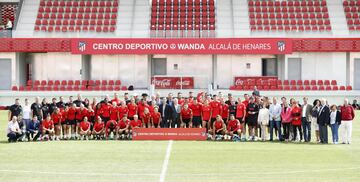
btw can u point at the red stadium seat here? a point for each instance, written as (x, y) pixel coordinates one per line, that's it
(292, 82)
(64, 82)
(320, 82)
(51, 82)
(286, 82)
(307, 87)
(342, 88)
(287, 87)
(29, 83)
(313, 82)
(104, 82)
(84, 82)
(123, 88)
(348, 87)
(333, 82)
(117, 82)
(335, 88)
(97, 82)
(91, 82)
(14, 88)
(314, 87)
(70, 82)
(327, 82)
(321, 87)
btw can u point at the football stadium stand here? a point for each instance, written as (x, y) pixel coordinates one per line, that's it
(96, 46)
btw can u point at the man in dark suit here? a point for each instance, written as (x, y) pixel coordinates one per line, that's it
(323, 121)
(166, 113)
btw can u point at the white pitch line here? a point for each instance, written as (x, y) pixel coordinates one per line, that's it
(166, 162)
(77, 173)
(177, 174)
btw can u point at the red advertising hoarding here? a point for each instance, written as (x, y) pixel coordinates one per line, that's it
(239, 80)
(173, 82)
(182, 46)
(169, 134)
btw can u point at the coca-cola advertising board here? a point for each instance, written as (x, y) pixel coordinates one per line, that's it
(173, 82)
(239, 80)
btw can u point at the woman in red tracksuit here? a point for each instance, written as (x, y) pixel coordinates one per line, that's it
(296, 119)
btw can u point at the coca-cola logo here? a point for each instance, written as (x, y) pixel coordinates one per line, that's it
(162, 83)
(239, 82)
(183, 83)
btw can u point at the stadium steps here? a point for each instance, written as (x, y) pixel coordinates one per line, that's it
(141, 19)
(124, 20)
(337, 18)
(241, 18)
(224, 28)
(27, 17)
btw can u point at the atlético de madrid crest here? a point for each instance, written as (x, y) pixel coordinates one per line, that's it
(82, 46)
(281, 46)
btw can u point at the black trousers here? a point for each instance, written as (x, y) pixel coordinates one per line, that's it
(13, 137)
(286, 128)
(31, 134)
(165, 122)
(323, 131)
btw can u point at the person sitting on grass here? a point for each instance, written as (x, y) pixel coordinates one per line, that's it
(33, 129)
(13, 130)
(234, 127)
(48, 128)
(123, 127)
(218, 130)
(110, 128)
(85, 132)
(99, 129)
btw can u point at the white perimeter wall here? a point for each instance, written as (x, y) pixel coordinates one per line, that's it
(55, 66)
(130, 69)
(321, 66)
(198, 66)
(230, 66)
(12, 57)
(353, 56)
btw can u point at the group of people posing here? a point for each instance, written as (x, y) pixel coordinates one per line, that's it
(249, 118)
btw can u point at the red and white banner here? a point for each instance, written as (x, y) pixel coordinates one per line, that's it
(239, 80)
(169, 134)
(173, 82)
(182, 46)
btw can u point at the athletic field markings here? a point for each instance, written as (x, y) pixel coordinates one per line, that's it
(166, 162)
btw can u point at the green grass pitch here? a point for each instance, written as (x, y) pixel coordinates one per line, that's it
(138, 161)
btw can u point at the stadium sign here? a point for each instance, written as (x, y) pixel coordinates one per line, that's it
(173, 82)
(169, 134)
(182, 46)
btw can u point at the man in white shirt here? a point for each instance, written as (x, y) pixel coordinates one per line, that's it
(306, 118)
(8, 25)
(13, 130)
(275, 119)
(26, 113)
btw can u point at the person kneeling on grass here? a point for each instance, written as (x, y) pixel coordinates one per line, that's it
(156, 118)
(123, 128)
(234, 128)
(33, 129)
(48, 128)
(110, 128)
(146, 118)
(218, 129)
(99, 129)
(136, 123)
(186, 116)
(85, 129)
(13, 130)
